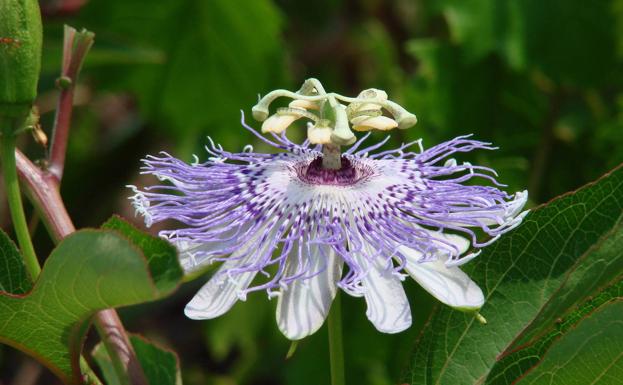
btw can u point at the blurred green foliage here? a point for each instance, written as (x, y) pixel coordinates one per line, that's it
(539, 78)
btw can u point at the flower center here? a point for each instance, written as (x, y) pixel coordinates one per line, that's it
(348, 174)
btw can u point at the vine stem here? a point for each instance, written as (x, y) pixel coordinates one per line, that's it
(76, 45)
(336, 347)
(14, 197)
(42, 187)
(43, 192)
(22, 230)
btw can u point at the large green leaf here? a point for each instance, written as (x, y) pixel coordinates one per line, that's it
(521, 275)
(14, 278)
(161, 366)
(88, 271)
(600, 267)
(517, 363)
(596, 281)
(590, 354)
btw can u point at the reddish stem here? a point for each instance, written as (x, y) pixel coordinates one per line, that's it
(75, 47)
(42, 187)
(61, 133)
(118, 345)
(44, 194)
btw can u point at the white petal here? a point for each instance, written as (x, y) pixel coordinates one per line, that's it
(217, 296)
(388, 307)
(305, 303)
(449, 285)
(463, 260)
(453, 245)
(221, 292)
(186, 254)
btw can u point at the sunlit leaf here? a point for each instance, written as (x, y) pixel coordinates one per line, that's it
(535, 354)
(520, 275)
(589, 354)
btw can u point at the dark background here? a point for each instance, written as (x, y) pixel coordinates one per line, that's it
(539, 78)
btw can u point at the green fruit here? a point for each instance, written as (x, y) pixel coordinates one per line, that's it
(20, 56)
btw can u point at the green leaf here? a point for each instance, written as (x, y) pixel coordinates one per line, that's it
(166, 271)
(598, 269)
(520, 275)
(14, 278)
(601, 266)
(589, 354)
(90, 270)
(161, 366)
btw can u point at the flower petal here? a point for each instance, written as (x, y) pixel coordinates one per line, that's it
(449, 285)
(304, 304)
(388, 306)
(217, 296)
(223, 290)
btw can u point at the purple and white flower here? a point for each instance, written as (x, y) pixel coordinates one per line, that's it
(309, 231)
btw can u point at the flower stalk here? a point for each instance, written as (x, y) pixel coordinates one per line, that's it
(336, 345)
(119, 348)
